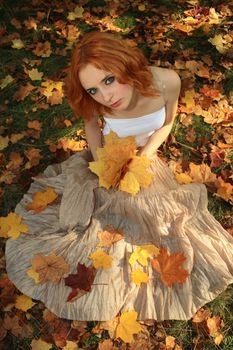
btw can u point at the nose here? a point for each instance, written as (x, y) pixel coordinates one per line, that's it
(107, 95)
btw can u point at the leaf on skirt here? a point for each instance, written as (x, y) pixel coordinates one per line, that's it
(101, 259)
(109, 236)
(42, 199)
(11, 226)
(119, 167)
(50, 267)
(139, 277)
(170, 267)
(142, 253)
(128, 326)
(80, 282)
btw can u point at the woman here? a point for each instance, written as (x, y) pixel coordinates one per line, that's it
(162, 223)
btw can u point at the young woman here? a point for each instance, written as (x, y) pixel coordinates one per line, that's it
(107, 78)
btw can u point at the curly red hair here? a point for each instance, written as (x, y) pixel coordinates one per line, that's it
(112, 54)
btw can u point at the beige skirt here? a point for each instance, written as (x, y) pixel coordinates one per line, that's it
(166, 214)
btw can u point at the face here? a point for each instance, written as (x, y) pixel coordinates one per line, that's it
(104, 88)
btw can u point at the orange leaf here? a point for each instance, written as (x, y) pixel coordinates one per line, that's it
(169, 267)
(109, 236)
(42, 199)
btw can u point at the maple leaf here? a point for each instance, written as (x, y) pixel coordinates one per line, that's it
(107, 344)
(34, 275)
(218, 42)
(11, 226)
(217, 158)
(8, 290)
(142, 253)
(215, 324)
(118, 165)
(139, 277)
(183, 178)
(224, 189)
(128, 326)
(50, 268)
(109, 236)
(4, 141)
(41, 200)
(24, 303)
(34, 124)
(17, 327)
(34, 156)
(15, 161)
(77, 13)
(201, 173)
(56, 97)
(43, 49)
(17, 44)
(81, 281)
(101, 259)
(40, 344)
(34, 74)
(6, 81)
(30, 23)
(23, 92)
(169, 267)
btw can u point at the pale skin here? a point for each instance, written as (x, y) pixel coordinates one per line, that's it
(105, 89)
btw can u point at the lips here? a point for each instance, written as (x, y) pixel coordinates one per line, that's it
(116, 104)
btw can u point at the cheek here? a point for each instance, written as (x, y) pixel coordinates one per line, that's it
(125, 89)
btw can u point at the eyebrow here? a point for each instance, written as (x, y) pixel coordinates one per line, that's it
(106, 76)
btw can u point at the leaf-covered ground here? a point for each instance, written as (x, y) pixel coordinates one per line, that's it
(37, 128)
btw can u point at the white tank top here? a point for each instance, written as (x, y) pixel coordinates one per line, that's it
(141, 127)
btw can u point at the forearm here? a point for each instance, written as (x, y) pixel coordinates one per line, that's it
(155, 140)
(94, 137)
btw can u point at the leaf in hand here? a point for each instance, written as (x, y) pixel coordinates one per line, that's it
(170, 267)
(80, 282)
(50, 267)
(119, 167)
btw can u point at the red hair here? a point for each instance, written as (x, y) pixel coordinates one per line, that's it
(110, 53)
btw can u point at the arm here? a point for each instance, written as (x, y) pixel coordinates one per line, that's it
(171, 95)
(94, 137)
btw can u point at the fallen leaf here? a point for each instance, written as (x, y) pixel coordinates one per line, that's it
(34, 124)
(11, 226)
(77, 13)
(34, 74)
(128, 326)
(109, 236)
(34, 156)
(43, 49)
(224, 189)
(142, 253)
(15, 161)
(70, 345)
(40, 345)
(41, 200)
(23, 92)
(201, 173)
(183, 178)
(170, 267)
(24, 303)
(4, 141)
(50, 268)
(80, 281)
(17, 44)
(101, 259)
(139, 277)
(6, 81)
(18, 328)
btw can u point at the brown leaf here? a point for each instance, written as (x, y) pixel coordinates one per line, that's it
(80, 282)
(109, 236)
(15, 161)
(8, 291)
(23, 92)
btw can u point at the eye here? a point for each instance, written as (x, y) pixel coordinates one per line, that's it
(109, 80)
(91, 91)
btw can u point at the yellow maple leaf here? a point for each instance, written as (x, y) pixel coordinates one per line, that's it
(70, 345)
(17, 44)
(50, 268)
(128, 326)
(11, 226)
(34, 275)
(189, 99)
(183, 178)
(77, 13)
(24, 303)
(141, 7)
(42, 199)
(3, 142)
(218, 42)
(34, 74)
(6, 81)
(101, 259)
(40, 345)
(142, 253)
(139, 277)
(201, 173)
(119, 167)
(224, 189)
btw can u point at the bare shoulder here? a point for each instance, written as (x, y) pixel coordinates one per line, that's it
(168, 79)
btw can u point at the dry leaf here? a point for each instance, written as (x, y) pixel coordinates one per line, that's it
(139, 277)
(109, 236)
(101, 259)
(24, 303)
(41, 200)
(11, 226)
(128, 326)
(170, 267)
(142, 253)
